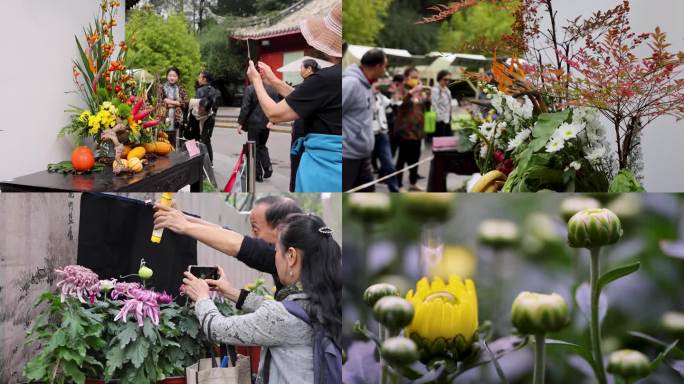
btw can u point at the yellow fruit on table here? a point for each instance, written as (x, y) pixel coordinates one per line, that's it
(137, 153)
(150, 147)
(135, 165)
(163, 148)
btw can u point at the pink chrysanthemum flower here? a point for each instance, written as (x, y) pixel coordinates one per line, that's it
(143, 303)
(123, 289)
(79, 282)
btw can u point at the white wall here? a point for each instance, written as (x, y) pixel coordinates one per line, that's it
(37, 48)
(663, 140)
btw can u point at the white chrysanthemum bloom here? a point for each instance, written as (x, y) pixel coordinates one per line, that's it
(527, 108)
(576, 165)
(487, 128)
(519, 139)
(483, 150)
(568, 131)
(473, 138)
(596, 153)
(555, 144)
(497, 102)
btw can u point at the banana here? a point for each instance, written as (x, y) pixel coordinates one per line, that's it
(490, 182)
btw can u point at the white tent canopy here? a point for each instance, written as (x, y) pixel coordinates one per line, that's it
(295, 65)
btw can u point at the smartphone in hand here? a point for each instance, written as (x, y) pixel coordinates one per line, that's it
(200, 272)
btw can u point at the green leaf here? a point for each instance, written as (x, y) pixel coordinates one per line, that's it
(617, 273)
(583, 352)
(546, 125)
(625, 181)
(36, 369)
(72, 371)
(115, 359)
(148, 331)
(137, 351)
(128, 334)
(678, 353)
(663, 354)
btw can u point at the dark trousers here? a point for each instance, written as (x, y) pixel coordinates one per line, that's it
(383, 152)
(205, 136)
(294, 165)
(443, 129)
(263, 160)
(356, 172)
(409, 153)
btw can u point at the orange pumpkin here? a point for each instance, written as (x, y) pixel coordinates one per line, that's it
(82, 159)
(163, 148)
(150, 147)
(124, 152)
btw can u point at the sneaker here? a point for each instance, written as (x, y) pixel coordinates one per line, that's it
(415, 188)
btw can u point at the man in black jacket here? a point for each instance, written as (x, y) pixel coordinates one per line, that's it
(201, 127)
(254, 121)
(255, 252)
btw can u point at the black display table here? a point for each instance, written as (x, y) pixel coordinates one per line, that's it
(461, 163)
(164, 174)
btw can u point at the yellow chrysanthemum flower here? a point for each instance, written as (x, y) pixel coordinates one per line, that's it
(85, 115)
(446, 319)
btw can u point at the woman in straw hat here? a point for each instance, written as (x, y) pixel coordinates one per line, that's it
(317, 102)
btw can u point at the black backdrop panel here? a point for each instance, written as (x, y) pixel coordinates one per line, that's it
(114, 235)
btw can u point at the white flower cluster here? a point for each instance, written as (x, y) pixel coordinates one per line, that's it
(593, 138)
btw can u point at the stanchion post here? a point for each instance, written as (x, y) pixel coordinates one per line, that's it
(251, 166)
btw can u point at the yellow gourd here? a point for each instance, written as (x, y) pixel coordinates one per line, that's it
(135, 165)
(137, 152)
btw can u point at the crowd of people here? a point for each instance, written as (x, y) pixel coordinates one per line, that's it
(314, 107)
(303, 258)
(384, 121)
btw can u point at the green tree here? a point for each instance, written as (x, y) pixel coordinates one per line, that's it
(224, 57)
(156, 44)
(363, 20)
(479, 29)
(401, 31)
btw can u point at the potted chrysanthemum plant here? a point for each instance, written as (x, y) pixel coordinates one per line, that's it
(97, 331)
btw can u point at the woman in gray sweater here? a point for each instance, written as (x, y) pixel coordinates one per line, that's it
(308, 262)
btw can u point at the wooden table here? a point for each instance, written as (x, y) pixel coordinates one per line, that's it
(164, 174)
(461, 163)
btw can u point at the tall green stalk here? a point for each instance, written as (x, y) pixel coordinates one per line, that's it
(539, 358)
(595, 325)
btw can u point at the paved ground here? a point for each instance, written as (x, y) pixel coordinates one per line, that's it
(454, 181)
(227, 145)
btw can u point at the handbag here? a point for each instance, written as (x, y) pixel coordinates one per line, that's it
(208, 371)
(430, 122)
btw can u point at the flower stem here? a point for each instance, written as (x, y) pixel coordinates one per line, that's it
(385, 377)
(539, 358)
(595, 325)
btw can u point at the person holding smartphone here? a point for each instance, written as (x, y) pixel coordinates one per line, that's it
(307, 262)
(257, 252)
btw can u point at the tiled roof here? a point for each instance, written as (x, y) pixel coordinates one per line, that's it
(285, 22)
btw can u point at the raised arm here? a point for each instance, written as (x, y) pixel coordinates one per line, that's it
(275, 112)
(223, 240)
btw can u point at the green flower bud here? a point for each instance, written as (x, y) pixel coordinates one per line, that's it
(145, 272)
(498, 233)
(536, 313)
(370, 207)
(377, 291)
(429, 206)
(393, 312)
(572, 205)
(629, 364)
(592, 228)
(399, 351)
